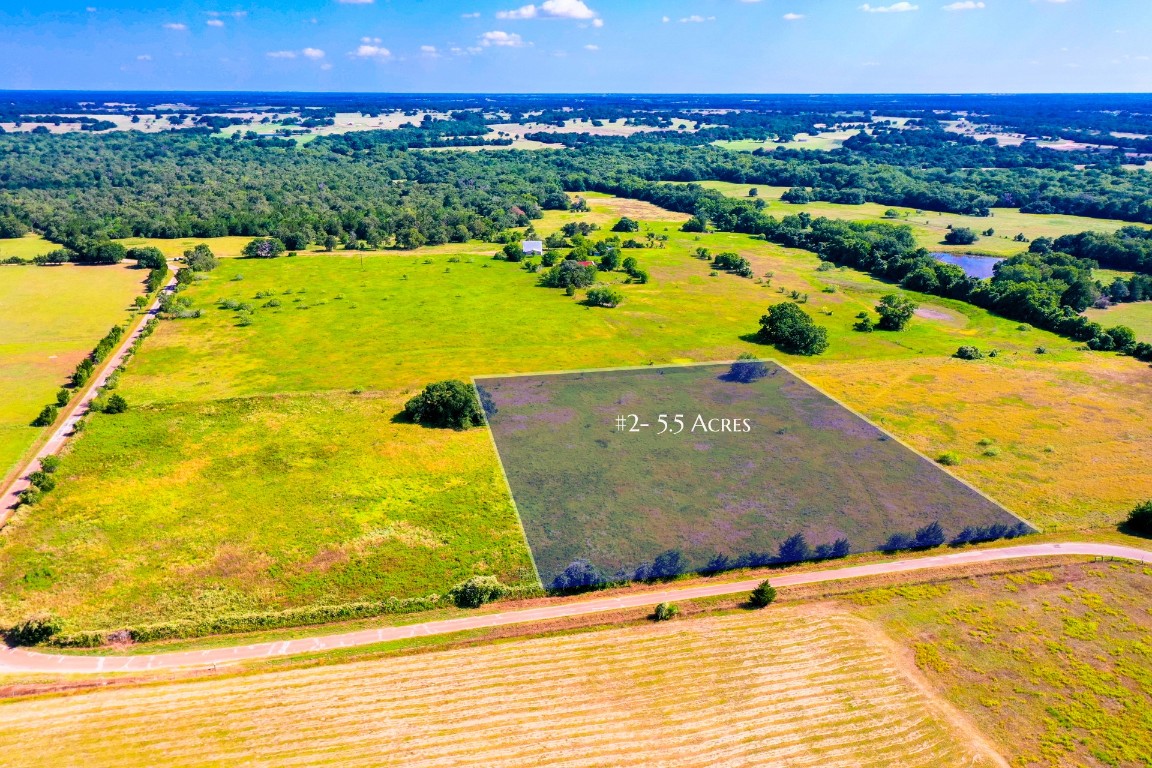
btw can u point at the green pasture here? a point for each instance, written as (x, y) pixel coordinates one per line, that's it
(930, 227)
(1137, 316)
(50, 317)
(247, 474)
(26, 247)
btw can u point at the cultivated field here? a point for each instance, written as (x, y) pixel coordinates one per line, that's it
(247, 475)
(930, 227)
(780, 688)
(50, 318)
(1054, 665)
(1137, 316)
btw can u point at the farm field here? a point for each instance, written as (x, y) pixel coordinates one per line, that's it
(688, 693)
(133, 532)
(50, 318)
(1053, 664)
(823, 142)
(26, 247)
(1137, 316)
(930, 227)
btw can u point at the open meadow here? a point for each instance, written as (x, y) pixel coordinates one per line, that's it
(260, 464)
(27, 247)
(930, 227)
(1136, 315)
(50, 318)
(785, 687)
(1052, 664)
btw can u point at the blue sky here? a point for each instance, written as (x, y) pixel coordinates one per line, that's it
(715, 46)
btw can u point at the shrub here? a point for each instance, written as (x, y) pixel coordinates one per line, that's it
(834, 551)
(895, 311)
(445, 404)
(899, 541)
(694, 224)
(864, 324)
(961, 236)
(949, 458)
(63, 396)
(665, 612)
(968, 353)
(605, 296)
(668, 565)
(148, 258)
(42, 480)
(746, 369)
(200, 259)
(47, 416)
(626, 225)
(794, 549)
(1140, 519)
(569, 274)
(763, 596)
(32, 631)
(792, 330)
(476, 591)
(580, 574)
(263, 248)
(977, 533)
(116, 404)
(49, 463)
(931, 535)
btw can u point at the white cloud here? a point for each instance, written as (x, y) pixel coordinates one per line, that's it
(325, 66)
(176, 27)
(355, 2)
(370, 40)
(474, 15)
(665, 19)
(902, 7)
(372, 51)
(215, 23)
(281, 54)
(576, 10)
(313, 53)
(792, 16)
(502, 40)
(90, 9)
(964, 5)
(233, 14)
(144, 57)
(696, 19)
(591, 47)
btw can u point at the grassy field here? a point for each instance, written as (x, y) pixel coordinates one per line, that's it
(779, 688)
(25, 247)
(1054, 665)
(1137, 316)
(930, 227)
(134, 532)
(823, 142)
(50, 317)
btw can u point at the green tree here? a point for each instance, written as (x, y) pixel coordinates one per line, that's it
(148, 258)
(47, 416)
(1140, 519)
(116, 404)
(605, 296)
(263, 248)
(665, 612)
(200, 258)
(1081, 294)
(447, 405)
(763, 596)
(626, 225)
(895, 311)
(961, 236)
(792, 330)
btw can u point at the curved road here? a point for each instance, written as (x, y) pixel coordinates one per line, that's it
(78, 409)
(19, 660)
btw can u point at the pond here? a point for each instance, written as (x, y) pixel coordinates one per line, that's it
(973, 266)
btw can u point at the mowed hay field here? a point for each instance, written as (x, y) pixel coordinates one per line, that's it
(1054, 665)
(50, 318)
(26, 247)
(247, 475)
(784, 688)
(930, 227)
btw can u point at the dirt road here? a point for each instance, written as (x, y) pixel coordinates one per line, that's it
(19, 660)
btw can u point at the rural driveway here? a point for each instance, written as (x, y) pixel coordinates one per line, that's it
(20, 660)
(77, 411)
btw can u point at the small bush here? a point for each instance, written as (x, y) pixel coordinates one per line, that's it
(63, 397)
(50, 464)
(116, 404)
(992, 452)
(605, 296)
(47, 416)
(445, 404)
(949, 458)
(1140, 519)
(968, 353)
(33, 631)
(476, 591)
(763, 596)
(665, 612)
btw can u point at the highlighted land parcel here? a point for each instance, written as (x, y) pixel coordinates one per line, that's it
(637, 473)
